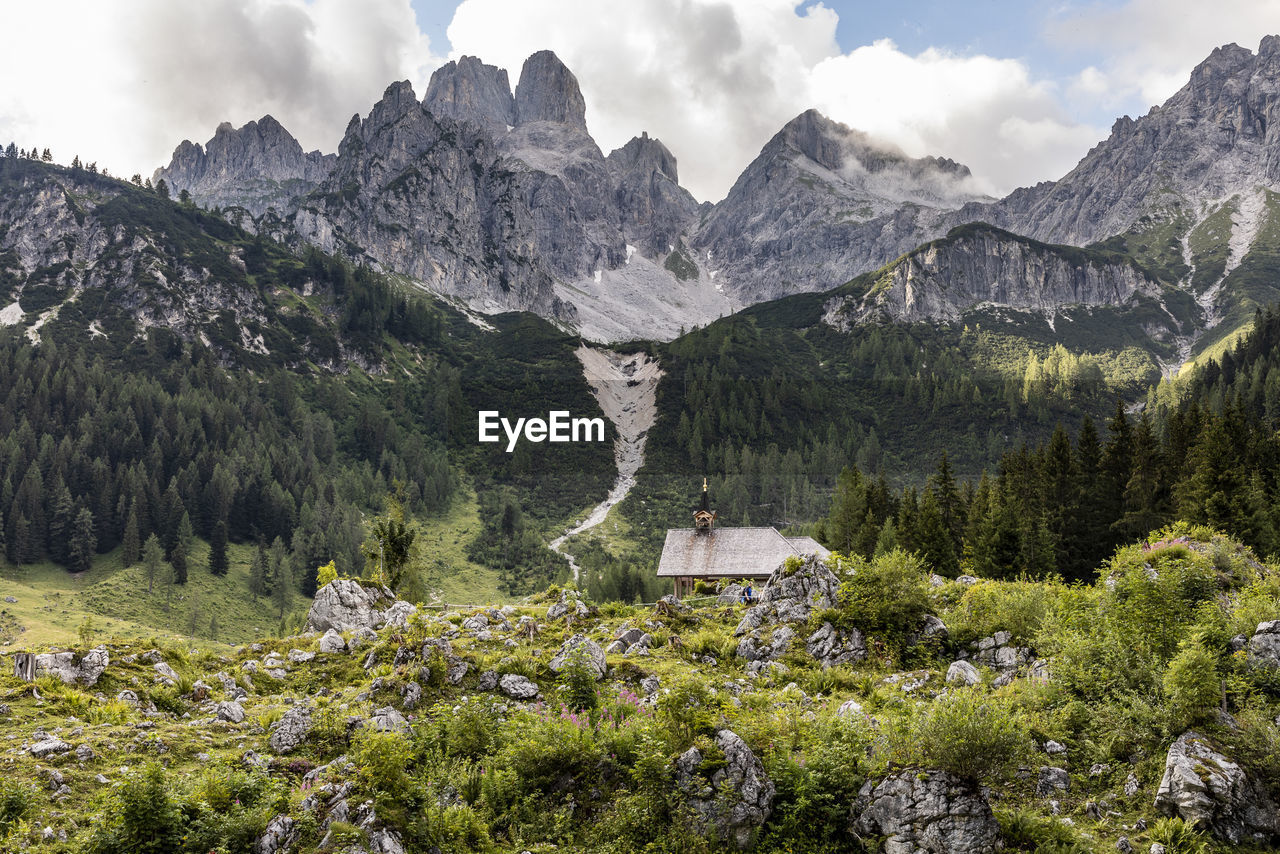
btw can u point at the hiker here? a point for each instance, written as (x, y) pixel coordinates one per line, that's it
(748, 595)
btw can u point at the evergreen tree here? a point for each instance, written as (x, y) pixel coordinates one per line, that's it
(162, 189)
(281, 576)
(182, 550)
(259, 572)
(130, 549)
(152, 561)
(218, 564)
(84, 541)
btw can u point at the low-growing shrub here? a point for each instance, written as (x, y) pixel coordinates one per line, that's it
(142, 819)
(885, 596)
(968, 732)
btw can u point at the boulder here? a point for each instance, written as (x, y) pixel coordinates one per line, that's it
(517, 687)
(71, 670)
(791, 596)
(1264, 646)
(932, 629)
(650, 685)
(332, 642)
(300, 656)
(753, 647)
(399, 614)
(278, 836)
(737, 798)
(730, 595)
(1210, 792)
(831, 646)
(347, 606)
(231, 712)
(48, 747)
(388, 719)
(568, 606)
(848, 709)
(963, 673)
(934, 812)
(1052, 780)
(291, 730)
(166, 673)
(588, 650)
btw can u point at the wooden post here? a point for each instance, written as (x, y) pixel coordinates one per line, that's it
(24, 666)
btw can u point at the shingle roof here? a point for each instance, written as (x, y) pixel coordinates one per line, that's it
(725, 552)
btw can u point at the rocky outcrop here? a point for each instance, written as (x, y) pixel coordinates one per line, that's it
(291, 730)
(736, 799)
(345, 605)
(979, 267)
(1264, 646)
(655, 211)
(933, 812)
(580, 648)
(72, 669)
(518, 687)
(548, 92)
(790, 596)
(257, 166)
(1209, 791)
(470, 91)
(831, 646)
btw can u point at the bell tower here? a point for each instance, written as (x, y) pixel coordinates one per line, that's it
(704, 517)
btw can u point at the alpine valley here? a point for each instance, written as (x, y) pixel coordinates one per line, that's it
(263, 590)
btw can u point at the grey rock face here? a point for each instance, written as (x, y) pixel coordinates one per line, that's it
(790, 598)
(933, 812)
(1210, 792)
(257, 166)
(291, 730)
(48, 747)
(71, 670)
(470, 91)
(278, 836)
(738, 797)
(517, 687)
(655, 210)
(387, 719)
(548, 92)
(331, 642)
(963, 673)
(345, 605)
(1264, 646)
(982, 266)
(754, 647)
(582, 647)
(832, 647)
(231, 711)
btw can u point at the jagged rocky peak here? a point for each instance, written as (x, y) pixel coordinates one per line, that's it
(644, 154)
(245, 166)
(548, 92)
(470, 91)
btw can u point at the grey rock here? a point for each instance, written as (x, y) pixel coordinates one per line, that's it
(517, 687)
(548, 92)
(1157, 848)
(1052, 780)
(127, 696)
(11, 600)
(616, 648)
(1131, 785)
(1210, 792)
(84, 753)
(792, 597)
(832, 647)
(737, 798)
(1099, 769)
(388, 719)
(470, 91)
(230, 711)
(278, 836)
(1052, 747)
(347, 606)
(48, 747)
(567, 606)
(754, 648)
(849, 708)
(1264, 646)
(291, 730)
(590, 652)
(1124, 846)
(72, 670)
(300, 656)
(932, 629)
(332, 642)
(932, 812)
(166, 673)
(488, 680)
(650, 685)
(411, 695)
(963, 673)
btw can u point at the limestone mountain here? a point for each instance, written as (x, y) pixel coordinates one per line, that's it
(257, 166)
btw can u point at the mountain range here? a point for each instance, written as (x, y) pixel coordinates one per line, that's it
(501, 200)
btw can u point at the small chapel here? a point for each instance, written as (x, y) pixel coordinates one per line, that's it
(707, 553)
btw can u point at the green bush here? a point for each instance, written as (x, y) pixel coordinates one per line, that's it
(142, 820)
(1178, 837)
(972, 734)
(578, 682)
(886, 596)
(16, 802)
(1191, 684)
(382, 761)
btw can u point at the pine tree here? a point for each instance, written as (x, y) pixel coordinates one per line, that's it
(130, 547)
(84, 541)
(152, 561)
(218, 564)
(281, 576)
(259, 580)
(162, 189)
(22, 545)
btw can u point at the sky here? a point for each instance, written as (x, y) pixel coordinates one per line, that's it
(1018, 91)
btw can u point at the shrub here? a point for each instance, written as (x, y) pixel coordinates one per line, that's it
(16, 802)
(969, 733)
(381, 760)
(1191, 684)
(1178, 837)
(987, 607)
(886, 596)
(143, 820)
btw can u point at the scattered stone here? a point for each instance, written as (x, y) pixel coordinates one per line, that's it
(488, 680)
(199, 691)
(69, 669)
(166, 673)
(399, 614)
(730, 595)
(1052, 779)
(278, 836)
(589, 651)
(1123, 845)
(388, 719)
(568, 606)
(84, 753)
(231, 712)
(754, 648)
(332, 642)
(1210, 792)
(411, 695)
(1053, 748)
(1131, 785)
(963, 673)
(650, 685)
(49, 747)
(517, 687)
(1157, 848)
(932, 812)
(738, 797)
(849, 708)
(11, 600)
(933, 629)
(1098, 769)
(291, 730)
(361, 637)
(831, 647)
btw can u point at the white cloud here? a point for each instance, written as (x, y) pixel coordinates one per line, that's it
(715, 80)
(123, 82)
(1150, 46)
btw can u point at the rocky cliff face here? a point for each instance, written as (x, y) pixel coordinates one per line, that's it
(980, 267)
(655, 210)
(1218, 136)
(258, 166)
(821, 204)
(470, 91)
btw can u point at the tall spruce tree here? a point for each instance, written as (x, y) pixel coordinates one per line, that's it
(218, 564)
